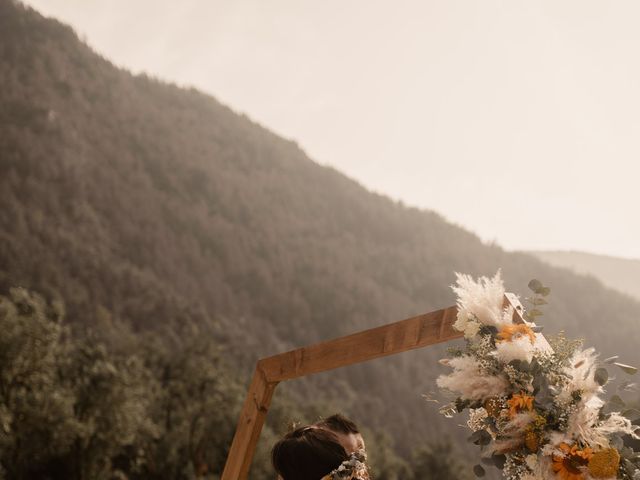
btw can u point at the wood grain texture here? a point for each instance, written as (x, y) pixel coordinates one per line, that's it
(409, 334)
(252, 416)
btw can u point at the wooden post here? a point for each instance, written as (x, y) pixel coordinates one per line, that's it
(390, 339)
(252, 415)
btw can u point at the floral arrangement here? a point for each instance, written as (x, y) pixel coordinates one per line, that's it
(535, 406)
(353, 468)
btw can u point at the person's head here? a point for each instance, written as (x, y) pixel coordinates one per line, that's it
(307, 453)
(345, 430)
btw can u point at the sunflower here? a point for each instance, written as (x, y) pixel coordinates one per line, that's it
(570, 464)
(518, 402)
(514, 332)
(604, 463)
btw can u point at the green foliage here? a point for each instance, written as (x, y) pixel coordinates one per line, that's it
(111, 401)
(70, 408)
(195, 408)
(36, 415)
(384, 462)
(439, 461)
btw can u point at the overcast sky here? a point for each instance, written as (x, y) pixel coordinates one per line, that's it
(519, 120)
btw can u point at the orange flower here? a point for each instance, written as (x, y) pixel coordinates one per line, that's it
(513, 332)
(570, 465)
(518, 402)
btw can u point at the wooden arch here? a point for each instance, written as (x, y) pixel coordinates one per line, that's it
(397, 337)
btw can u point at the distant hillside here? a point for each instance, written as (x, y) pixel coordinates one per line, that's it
(622, 274)
(144, 204)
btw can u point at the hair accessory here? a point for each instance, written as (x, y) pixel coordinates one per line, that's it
(353, 468)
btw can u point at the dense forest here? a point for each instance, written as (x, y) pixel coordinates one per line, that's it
(164, 242)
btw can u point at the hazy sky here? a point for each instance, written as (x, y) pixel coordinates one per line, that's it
(519, 120)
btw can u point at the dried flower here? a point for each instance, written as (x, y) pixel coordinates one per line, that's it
(532, 441)
(570, 463)
(605, 463)
(481, 300)
(519, 402)
(469, 380)
(516, 349)
(509, 333)
(541, 409)
(493, 406)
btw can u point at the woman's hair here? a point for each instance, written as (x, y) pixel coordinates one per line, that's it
(307, 453)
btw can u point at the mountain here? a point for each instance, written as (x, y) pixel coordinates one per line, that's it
(155, 208)
(622, 274)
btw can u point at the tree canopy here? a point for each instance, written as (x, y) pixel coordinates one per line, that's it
(173, 228)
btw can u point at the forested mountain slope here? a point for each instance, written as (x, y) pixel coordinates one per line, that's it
(141, 203)
(622, 274)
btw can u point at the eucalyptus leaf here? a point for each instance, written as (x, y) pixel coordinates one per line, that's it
(544, 291)
(517, 364)
(601, 376)
(617, 402)
(481, 437)
(499, 461)
(489, 330)
(534, 367)
(539, 301)
(479, 471)
(626, 368)
(632, 414)
(535, 285)
(617, 442)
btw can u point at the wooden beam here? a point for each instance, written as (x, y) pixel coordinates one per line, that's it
(252, 415)
(409, 334)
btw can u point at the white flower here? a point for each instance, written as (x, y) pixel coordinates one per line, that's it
(615, 424)
(470, 382)
(481, 300)
(517, 349)
(461, 321)
(581, 372)
(477, 416)
(531, 461)
(471, 330)
(518, 424)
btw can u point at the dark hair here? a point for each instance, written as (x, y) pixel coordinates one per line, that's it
(307, 453)
(338, 423)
